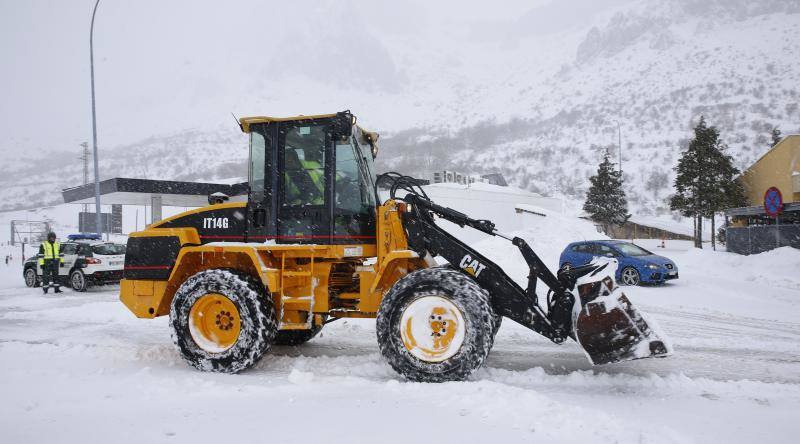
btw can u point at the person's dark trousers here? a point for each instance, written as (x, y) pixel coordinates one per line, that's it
(50, 275)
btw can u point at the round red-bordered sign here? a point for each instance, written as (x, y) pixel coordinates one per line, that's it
(773, 202)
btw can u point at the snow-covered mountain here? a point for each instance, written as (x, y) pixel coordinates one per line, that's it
(537, 97)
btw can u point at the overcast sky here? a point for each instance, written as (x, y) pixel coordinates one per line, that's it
(163, 65)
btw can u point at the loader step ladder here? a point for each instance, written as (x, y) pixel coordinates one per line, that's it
(293, 278)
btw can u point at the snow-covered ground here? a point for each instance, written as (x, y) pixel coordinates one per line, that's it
(78, 367)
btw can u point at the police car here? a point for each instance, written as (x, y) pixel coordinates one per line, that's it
(88, 261)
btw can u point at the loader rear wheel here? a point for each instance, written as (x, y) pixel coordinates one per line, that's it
(435, 325)
(295, 337)
(222, 322)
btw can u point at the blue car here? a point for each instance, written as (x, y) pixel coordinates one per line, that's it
(636, 265)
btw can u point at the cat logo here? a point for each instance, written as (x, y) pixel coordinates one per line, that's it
(471, 266)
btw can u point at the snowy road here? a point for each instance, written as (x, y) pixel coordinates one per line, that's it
(79, 367)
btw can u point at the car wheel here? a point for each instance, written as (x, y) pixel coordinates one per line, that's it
(630, 276)
(77, 280)
(31, 280)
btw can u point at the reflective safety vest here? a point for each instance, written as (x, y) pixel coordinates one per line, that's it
(50, 251)
(314, 170)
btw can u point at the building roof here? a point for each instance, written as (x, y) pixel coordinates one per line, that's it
(124, 191)
(778, 145)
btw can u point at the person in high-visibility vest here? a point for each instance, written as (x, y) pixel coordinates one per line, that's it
(50, 260)
(304, 181)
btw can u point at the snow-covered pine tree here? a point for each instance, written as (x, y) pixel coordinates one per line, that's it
(704, 184)
(725, 191)
(605, 200)
(776, 136)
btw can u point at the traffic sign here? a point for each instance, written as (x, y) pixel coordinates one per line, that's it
(773, 202)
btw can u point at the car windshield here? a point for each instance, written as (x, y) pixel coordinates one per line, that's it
(108, 249)
(632, 250)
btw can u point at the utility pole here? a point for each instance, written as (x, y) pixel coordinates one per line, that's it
(85, 159)
(98, 215)
(619, 144)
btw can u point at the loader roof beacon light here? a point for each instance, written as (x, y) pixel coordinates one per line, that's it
(313, 244)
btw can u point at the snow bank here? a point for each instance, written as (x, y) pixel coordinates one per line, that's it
(548, 235)
(775, 268)
(485, 201)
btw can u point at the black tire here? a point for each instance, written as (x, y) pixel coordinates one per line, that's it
(257, 321)
(77, 280)
(457, 289)
(31, 279)
(498, 320)
(630, 276)
(295, 337)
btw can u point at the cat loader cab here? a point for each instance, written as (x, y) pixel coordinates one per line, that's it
(313, 244)
(325, 193)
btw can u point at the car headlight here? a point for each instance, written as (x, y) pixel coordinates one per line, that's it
(652, 266)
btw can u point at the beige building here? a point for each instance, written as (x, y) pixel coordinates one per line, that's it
(750, 229)
(779, 167)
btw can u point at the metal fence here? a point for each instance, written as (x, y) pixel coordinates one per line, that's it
(761, 238)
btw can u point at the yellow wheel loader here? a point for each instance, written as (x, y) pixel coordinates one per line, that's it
(313, 244)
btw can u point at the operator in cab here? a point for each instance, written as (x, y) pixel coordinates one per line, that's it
(50, 260)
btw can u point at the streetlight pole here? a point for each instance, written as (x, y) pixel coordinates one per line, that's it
(619, 142)
(98, 215)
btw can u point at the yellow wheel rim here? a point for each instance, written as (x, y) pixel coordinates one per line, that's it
(214, 323)
(432, 328)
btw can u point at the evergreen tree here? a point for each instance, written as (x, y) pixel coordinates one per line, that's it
(726, 191)
(605, 200)
(776, 136)
(686, 198)
(705, 183)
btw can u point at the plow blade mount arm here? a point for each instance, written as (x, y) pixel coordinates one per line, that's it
(584, 302)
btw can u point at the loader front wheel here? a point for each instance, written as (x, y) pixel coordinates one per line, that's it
(435, 325)
(222, 322)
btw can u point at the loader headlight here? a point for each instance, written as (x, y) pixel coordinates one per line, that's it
(652, 266)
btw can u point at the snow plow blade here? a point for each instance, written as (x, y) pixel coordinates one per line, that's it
(610, 329)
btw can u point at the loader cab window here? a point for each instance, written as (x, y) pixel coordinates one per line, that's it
(304, 213)
(304, 163)
(354, 211)
(258, 153)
